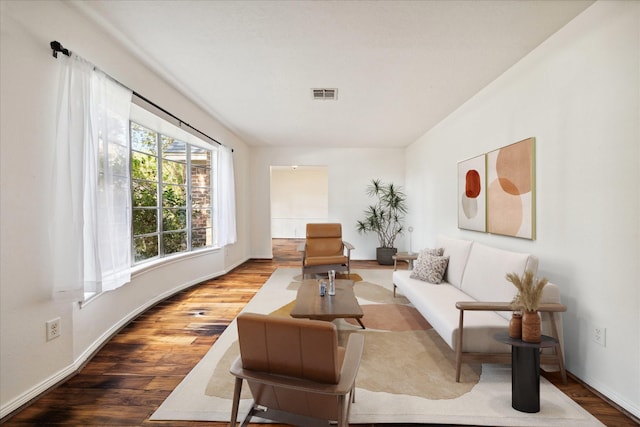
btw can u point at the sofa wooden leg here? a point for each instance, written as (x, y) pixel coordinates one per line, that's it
(459, 347)
(558, 348)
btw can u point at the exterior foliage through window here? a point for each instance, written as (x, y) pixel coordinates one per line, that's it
(171, 195)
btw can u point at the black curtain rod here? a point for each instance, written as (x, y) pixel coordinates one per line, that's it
(56, 46)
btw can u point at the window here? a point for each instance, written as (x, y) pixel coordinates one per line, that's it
(171, 186)
(113, 211)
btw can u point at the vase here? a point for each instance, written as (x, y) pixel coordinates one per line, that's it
(384, 256)
(531, 327)
(515, 326)
(332, 282)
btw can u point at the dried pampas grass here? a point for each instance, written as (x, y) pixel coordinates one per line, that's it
(529, 291)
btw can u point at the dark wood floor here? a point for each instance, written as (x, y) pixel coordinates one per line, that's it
(126, 381)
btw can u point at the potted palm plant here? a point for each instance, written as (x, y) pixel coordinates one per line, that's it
(384, 218)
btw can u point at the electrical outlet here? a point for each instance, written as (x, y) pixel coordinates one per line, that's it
(53, 329)
(599, 335)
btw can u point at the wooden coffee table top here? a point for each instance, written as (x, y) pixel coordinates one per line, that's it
(310, 305)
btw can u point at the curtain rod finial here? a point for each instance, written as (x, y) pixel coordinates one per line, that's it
(56, 46)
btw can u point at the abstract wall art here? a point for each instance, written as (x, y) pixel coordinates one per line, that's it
(511, 190)
(472, 194)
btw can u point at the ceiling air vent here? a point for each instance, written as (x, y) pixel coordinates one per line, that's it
(325, 94)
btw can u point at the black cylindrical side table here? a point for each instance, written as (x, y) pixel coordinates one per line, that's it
(525, 370)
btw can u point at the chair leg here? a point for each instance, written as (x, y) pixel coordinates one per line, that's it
(343, 413)
(236, 402)
(252, 412)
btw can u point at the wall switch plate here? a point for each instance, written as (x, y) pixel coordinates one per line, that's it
(599, 335)
(53, 329)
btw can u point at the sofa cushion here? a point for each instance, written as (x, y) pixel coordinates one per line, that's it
(430, 268)
(437, 304)
(458, 251)
(485, 274)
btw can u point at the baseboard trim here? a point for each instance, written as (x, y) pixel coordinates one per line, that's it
(63, 375)
(607, 399)
(24, 400)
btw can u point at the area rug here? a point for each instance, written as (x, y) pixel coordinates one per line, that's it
(407, 374)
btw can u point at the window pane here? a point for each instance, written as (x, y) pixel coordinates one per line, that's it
(201, 218)
(145, 193)
(145, 247)
(143, 139)
(144, 166)
(174, 172)
(174, 149)
(200, 197)
(201, 235)
(174, 242)
(201, 238)
(145, 221)
(174, 219)
(200, 156)
(174, 196)
(200, 176)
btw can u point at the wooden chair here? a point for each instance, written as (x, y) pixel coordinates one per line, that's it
(325, 250)
(295, 369)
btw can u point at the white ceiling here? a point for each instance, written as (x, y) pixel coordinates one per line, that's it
(400, 66)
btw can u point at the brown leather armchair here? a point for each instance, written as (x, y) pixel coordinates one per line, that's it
(324, 250)
(295, 369)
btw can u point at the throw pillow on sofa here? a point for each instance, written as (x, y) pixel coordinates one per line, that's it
(430, 266)
(430, 252)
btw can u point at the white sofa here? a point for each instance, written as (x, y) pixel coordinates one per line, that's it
(476, 273)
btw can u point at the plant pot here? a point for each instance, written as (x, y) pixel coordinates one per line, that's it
(515, 326)
(384, 255)
(531, 327)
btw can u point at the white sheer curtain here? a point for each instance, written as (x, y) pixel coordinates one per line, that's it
(90, 194)
(107, 244)
(226, 198)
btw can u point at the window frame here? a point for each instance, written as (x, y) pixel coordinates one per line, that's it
(160, 158)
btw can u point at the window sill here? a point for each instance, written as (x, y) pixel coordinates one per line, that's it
(89, 297)
(149, 266)
(161, 262)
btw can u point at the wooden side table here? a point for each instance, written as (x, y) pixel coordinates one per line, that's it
(525, 371)
(404, 256)
(546, 309)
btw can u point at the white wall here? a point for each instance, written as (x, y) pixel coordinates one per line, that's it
(350, 171)
(578, 94)
(299, 195)
(29, 81)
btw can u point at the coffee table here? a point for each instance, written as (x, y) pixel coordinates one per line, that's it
(343, 305)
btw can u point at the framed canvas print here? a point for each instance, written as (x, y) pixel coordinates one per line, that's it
(511, 190)
(472, 194)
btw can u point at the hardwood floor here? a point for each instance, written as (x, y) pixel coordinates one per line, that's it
(126, 381)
